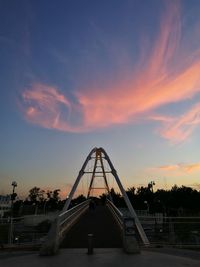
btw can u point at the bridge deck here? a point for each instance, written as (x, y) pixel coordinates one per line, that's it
(101, 224)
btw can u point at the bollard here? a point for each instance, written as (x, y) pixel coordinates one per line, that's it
(90, 244)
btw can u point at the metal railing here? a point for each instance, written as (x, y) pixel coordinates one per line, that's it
(60, 226)
(68, 218)
(163, 230)
(118, 215)
(16, 231)
(172, 231)
(128, 229)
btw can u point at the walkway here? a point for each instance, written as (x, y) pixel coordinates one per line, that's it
(101, 224)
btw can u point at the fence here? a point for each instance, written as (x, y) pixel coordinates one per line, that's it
(172, 231)
(169, 231)
(24, 230)
(160, 230)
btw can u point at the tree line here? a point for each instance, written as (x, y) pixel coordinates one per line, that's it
(178, 201)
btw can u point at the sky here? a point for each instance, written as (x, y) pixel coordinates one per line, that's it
(78, 74)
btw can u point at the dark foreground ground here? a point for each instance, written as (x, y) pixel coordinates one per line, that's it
(109, 257)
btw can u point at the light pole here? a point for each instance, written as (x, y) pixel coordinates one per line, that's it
(14, 184)
(13, 195)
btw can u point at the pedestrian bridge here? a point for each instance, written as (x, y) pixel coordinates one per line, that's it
(103, 226)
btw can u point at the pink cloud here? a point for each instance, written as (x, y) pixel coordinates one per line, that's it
(179, 129)
(122, 102)
(169, 167)
(46, 106)
(183, 167)
(192, 167)
(160, 118)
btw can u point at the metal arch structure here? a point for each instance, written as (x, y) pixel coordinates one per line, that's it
(98, 157)
(128, 203)
(101, 154)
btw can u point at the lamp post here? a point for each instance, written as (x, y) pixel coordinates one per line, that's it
(13, 195)
(14, 184)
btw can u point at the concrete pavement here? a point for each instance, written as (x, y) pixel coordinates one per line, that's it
(101, 257)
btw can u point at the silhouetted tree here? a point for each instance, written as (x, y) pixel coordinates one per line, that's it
(117, 198)
(53, 199)
(36, 194)
(79, 199)
(56, 194)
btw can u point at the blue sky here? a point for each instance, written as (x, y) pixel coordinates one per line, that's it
(122, 75)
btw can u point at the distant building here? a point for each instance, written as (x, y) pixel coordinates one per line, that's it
(5, 204)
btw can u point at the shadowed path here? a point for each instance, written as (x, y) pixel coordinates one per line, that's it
(102, 257)
(101, 224)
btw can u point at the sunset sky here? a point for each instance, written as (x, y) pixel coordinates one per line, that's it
(119, 74)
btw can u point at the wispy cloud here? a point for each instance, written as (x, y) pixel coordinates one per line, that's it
(183, 167)
(192, 167)
(122, 102)
(46, 106)
(179, 129)
(168, 167)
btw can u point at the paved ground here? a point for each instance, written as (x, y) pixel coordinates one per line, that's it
(101, 224)
(101, 257)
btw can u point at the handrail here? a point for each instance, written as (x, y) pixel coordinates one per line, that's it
(127, 227)
(64, 221)
(74, 208)
(116, 213)
(115, 208)
(71, 216)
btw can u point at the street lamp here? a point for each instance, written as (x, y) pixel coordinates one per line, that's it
(13, 195)
(14, 184)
